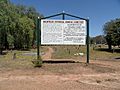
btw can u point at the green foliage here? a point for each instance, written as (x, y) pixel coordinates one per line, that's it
(17, 25)
(112, 32)
(10, 40)
(23, 33)
(5, 1)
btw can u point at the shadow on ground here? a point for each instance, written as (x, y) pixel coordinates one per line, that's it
(58, 61)
(107, 50)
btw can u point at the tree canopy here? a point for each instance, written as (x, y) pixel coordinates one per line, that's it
(112, 32)
(17, 25)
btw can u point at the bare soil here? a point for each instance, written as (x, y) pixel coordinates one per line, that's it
(98, 75)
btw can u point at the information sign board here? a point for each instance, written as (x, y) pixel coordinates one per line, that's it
(63, 32)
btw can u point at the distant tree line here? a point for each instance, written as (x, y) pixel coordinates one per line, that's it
(17, 26)
(100, 39)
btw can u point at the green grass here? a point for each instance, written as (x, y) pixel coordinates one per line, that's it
(21, 61)
(103, 53)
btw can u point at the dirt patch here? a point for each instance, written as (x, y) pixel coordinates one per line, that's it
(53, 82)
(65, 76)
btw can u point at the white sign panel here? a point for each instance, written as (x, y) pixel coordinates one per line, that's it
(65, 32)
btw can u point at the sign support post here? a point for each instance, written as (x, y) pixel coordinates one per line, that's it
(87, 40)
(38, 38)
(63, 16)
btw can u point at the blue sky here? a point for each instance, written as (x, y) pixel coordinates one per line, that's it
(98, 11)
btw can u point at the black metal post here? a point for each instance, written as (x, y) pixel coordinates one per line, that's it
(87, 40)
(63, 16)
(52, 16)
(74, 16)
(38, 38)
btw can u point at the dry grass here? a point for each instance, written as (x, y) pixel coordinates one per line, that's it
(62, 52)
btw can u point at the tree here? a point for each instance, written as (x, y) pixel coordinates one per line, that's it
(3, 24)
(17, 25)
(112, 33)
(5, 1)
(32, 14)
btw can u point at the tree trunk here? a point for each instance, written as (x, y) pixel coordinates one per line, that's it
(109, 46)
(0, 51)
